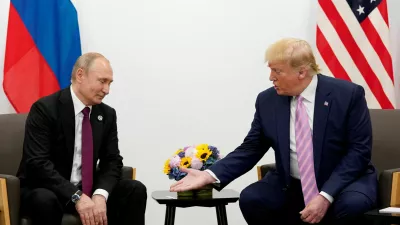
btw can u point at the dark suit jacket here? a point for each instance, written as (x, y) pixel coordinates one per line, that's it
(49, 146)
(342, 140)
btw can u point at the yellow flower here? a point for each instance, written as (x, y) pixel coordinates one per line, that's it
(166, 167)
(186, 162)
(203, 154)
(202, 147)
(178, 151)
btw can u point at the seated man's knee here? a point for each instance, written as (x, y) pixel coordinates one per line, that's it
(351, 204)
(250, 198)
(137, 188)
(44, 200)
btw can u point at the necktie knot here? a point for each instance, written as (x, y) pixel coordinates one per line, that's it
(300, 98)
(86, 111)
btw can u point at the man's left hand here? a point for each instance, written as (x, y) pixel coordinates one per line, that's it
(315, 210)
(100, 209)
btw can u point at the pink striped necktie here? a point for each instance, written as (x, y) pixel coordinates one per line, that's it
(304, 149)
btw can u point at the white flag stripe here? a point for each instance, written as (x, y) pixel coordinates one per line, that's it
(344, 57)
(366, 48)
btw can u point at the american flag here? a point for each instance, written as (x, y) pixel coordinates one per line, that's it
(353, 44)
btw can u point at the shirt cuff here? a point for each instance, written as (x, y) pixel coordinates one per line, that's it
(213, 175)
(101, 192)
(328, 197)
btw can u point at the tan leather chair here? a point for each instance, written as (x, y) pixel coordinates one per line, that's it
(12, 128)
(385, 156)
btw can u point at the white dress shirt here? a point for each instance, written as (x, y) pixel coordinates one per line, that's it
(309, 100)
(76, 173)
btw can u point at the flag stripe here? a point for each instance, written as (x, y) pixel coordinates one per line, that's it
(355, 52)
(321, 62)
(379, 48)
(384, 11)
(380, 26)
(329, 57)
(339, 53)
(53, 25)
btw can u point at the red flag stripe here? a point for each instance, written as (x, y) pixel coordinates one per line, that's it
(379, 46)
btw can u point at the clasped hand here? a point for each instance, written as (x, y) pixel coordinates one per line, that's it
(92, 211)
(315, 210)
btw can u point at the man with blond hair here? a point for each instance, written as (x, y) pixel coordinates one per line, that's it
(320, 130)
(66, 134)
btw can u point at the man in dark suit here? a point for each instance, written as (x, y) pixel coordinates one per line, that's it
(66, 134)
(320, 130)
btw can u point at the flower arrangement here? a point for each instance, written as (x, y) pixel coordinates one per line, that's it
(199, 157)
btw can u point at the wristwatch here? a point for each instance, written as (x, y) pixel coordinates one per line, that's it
(76, 197)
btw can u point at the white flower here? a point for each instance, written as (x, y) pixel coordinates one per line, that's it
(190, 152)
(196, 163)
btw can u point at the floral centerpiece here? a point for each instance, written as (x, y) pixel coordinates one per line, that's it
(199, 157)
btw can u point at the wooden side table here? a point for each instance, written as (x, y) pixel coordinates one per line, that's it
(218, 200)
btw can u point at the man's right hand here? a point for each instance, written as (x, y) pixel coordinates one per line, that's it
(85, 207)
(194, 179)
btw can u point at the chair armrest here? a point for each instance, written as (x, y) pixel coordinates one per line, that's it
(128, 173)
(9, 199)
(389, 188)
(264, 169)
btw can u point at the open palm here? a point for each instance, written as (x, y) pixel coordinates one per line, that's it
(194, 179)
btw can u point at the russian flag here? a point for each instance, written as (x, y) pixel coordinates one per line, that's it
(43, 43)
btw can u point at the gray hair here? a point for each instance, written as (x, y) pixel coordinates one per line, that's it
(85, 61)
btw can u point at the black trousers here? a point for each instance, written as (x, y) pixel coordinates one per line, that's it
(264, 203)
(125, 205)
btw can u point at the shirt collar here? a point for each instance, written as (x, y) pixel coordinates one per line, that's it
(309, 93)
(78, 105)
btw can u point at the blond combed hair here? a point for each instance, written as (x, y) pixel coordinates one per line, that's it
(296, 52)
(84, 62)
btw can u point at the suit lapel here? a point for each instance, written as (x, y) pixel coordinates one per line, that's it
(283, 126)
(96, 120)
(322, 107)
(67, 115)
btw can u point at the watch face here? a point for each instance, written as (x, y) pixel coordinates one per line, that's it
(75, 198)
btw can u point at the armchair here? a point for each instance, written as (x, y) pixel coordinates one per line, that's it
(385, 156)
(12, 128)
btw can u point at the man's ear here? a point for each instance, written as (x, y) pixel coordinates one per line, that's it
(302, 73)
(79, 75)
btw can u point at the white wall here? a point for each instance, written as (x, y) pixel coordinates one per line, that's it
(187, 72)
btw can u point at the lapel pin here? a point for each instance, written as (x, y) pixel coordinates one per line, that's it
(326, 103)
(100, 118)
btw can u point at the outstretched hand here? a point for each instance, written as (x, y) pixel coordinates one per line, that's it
(194, 179)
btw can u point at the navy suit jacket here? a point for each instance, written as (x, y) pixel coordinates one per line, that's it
(342, 140)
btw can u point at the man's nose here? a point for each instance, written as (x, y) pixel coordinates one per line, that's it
(106, 89)
(271, 77)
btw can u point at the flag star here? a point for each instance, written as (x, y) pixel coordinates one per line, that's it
(360, 10)
(373, 1)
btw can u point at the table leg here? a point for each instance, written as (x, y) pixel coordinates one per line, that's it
(170, 215)
(221, 215)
